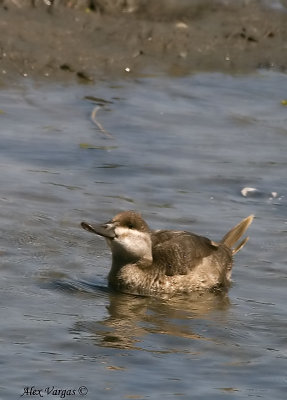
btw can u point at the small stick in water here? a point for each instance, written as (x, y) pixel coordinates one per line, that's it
(97, 123)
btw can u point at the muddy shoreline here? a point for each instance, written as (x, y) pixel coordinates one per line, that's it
(90, 40)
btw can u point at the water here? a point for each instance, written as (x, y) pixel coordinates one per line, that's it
(181, 151)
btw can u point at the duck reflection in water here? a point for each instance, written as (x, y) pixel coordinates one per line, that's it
(131, 318)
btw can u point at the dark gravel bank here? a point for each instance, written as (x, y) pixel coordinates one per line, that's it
(89, 40)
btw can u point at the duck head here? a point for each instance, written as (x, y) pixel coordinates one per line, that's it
(128, 236)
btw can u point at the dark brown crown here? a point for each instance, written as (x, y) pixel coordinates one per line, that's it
(131, 220)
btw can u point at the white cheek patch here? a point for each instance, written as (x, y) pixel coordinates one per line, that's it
(133, 241)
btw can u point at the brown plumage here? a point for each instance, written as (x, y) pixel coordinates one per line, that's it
(150, 262)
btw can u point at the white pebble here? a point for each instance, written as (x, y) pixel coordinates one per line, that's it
(248, 190)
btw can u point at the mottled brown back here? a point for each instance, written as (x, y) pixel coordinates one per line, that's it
(180, 252)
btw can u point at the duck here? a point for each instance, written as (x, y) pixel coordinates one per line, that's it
(152, 262)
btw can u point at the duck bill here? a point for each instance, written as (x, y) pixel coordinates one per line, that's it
(105, 230)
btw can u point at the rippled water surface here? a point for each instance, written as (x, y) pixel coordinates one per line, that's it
(180, 150)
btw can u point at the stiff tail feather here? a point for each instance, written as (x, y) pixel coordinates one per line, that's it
(235, 234)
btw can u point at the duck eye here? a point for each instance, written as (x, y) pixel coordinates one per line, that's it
(130, 226)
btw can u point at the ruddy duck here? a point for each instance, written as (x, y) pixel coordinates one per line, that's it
(148, 262)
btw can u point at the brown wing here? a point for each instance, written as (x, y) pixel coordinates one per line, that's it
(178, 252)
